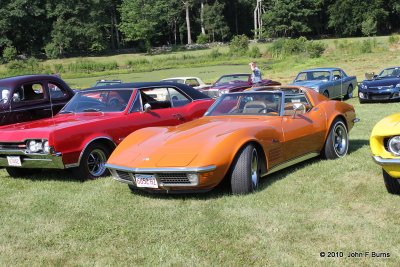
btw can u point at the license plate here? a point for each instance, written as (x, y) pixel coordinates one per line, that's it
(146, 180)
(14, 161)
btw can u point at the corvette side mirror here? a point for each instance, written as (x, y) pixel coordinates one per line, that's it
(147, 107)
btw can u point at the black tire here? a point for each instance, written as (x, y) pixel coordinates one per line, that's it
(337, 142)
(246, 171)
(92, 162)
(17, 172)
(348, 95)
(326, 94)
(392, 184)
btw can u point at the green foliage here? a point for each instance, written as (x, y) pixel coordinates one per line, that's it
(9, 53)
(285, 47)
(52, 51)
(394, 39)
(215, 53)
(214, 21)
(28, 66)
(91, 66)
(239, 45)
(202, 39)
(369, 27)
(356, 47)
(254, 52)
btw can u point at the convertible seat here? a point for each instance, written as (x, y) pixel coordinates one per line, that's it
(254, 107)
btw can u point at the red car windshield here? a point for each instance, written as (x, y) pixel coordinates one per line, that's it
(106, 100)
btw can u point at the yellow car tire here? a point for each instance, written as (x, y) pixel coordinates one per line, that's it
(392, 184)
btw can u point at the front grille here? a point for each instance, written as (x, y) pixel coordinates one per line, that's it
(12, 146)
(124, 175)
(381, 87)
(380, 97)
(173, 178)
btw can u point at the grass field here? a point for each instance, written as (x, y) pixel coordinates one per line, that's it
(317, 206)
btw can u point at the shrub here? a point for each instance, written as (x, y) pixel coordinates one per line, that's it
(9, 53)
(91, 66)
(254, 52)
(315, 49)
(394, 39)
(239, 45)
(52, 51)
(202, 39)
(215, 53)
(30, 65)
(369, 27)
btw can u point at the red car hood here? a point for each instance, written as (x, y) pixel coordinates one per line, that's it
(42, 128)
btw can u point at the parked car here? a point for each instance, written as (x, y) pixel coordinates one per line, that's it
(87, 129)
(243, 136)
(106, 82)
(385, 147)
(331, 82)
(383, 87)
(233, 83)
(32, 97)
(194, 82)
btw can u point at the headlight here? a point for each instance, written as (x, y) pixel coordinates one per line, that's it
(224, 91)
(46, 147)
(394, 145)
(398, 85)
(35, 146)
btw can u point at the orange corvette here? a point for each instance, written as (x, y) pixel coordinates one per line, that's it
(242, 137)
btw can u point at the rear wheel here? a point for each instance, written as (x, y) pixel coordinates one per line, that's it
(246, 171)
(337, 142)
(349, 93)
(92, 164)
(392, 184)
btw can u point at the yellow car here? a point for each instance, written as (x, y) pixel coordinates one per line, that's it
(385, 147)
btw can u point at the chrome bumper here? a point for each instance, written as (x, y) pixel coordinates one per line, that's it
(34, 161)
(383, 162)
(126, 175)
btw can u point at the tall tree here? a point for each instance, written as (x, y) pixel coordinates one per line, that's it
(214, 21)
(187, 4)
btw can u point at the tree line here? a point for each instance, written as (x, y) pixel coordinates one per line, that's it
(60, 28)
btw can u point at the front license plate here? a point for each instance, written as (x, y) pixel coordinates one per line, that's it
(14, 161)
(146, 180)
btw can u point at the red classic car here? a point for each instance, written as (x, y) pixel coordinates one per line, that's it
(93, 123)
(32, 97)
(233, 83)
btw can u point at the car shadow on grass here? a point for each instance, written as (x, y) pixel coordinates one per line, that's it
(49, 175)
(357, 144)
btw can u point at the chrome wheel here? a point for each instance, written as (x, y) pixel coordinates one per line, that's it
(340, 140)
(96, 162)
(254, 168)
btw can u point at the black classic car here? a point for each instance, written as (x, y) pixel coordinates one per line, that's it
(31, 97)
(383, 87)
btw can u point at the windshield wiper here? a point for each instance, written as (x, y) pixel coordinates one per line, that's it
(91, 110)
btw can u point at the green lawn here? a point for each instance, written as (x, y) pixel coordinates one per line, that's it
(317, 206)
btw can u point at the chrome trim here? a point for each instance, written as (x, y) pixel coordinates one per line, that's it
(35, 161)
(291, 162)
(91, 141)
(383, 162)
(161, 170)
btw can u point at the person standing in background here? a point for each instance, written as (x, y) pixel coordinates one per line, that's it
(255, 74)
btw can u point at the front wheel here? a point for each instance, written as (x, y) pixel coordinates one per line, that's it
(246, 171)
(349, 93)
(392, 184)
(92, 164)
(337, 142)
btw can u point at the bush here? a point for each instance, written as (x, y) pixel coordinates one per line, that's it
(239, 45)
(202, 39)
(9, 53)
(394, 39)
(369, 27)
(215, 53)
(91, 66)
(30, 65)
(315, 49)
(254, 52)
(52, 51)
(285, 47)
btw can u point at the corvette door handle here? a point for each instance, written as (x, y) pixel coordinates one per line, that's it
(177, 116)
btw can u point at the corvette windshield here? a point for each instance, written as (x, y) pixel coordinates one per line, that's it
(99, 101)
(233, 78)
(256, 103)
(389, 73)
